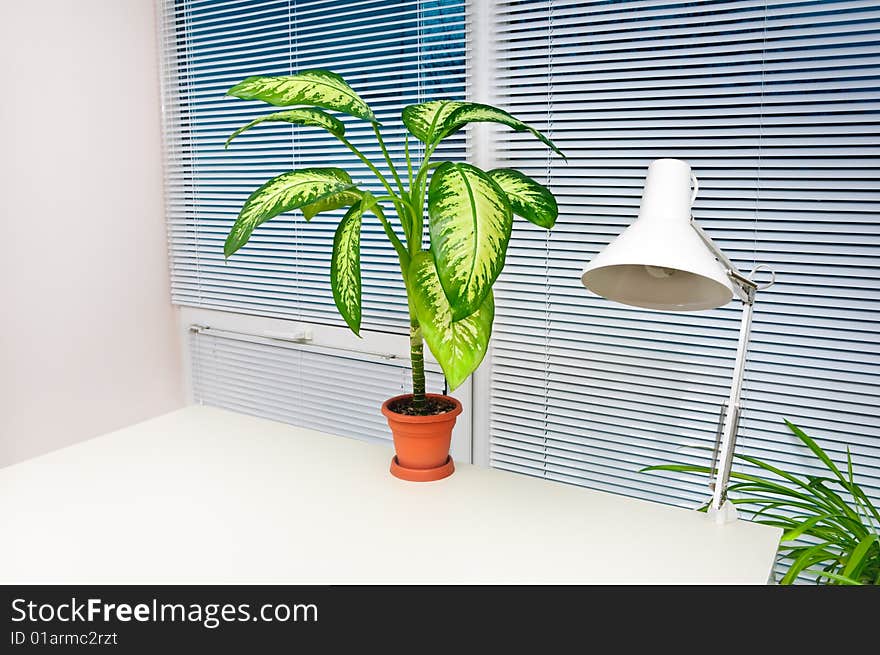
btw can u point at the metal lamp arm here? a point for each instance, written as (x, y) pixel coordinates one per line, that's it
(728, 420)
(744, 286)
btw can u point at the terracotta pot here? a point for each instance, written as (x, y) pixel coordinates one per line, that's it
(422, 442)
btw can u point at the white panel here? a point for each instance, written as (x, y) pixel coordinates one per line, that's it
(325, 389)
(778, 111)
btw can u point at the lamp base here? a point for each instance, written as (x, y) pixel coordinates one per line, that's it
(726, 514)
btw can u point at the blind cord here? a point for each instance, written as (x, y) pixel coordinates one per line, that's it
(760, 140)
(549, 177)
(744, 395)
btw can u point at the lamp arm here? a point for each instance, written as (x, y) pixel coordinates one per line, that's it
(728, 421)
(744, 286)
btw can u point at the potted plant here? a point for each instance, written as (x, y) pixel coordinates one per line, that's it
(448, 281)
(831, 527)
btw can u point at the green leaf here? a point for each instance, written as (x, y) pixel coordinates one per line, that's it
(821, 499)
(345, 267)
(470, 221)
(847, 484)
(802, 527)
(331, 202)
(459, 345)
(318, 88)
(808, 557)
(304, 116)
(472, 112)
(812, 445)
(833, 576)
(424, 120)
(859, 556)
(282, 193)
(677, 468)
(849, 466)
(528, 199)
(848, 516)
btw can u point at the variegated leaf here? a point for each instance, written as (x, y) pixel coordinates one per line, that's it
(345, 267)
(472, 112)
(528, 199)
(287, 191)
(459, 345)
(331, 202)
(318, 88)
(303, 116)
(424, 120)
(470, 221)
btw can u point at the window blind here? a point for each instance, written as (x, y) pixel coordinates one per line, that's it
(327, 389)
(392, 52)
(776, 105)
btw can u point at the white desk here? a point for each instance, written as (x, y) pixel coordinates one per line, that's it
(207, 496)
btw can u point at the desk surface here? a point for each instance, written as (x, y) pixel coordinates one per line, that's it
(204, 495)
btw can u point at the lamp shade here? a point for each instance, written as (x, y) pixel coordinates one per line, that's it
(660, 261)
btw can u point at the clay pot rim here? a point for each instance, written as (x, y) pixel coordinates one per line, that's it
(432, 418)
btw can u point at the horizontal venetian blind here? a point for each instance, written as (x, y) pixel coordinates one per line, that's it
(776, 106)
(392, 52)
(327, 389)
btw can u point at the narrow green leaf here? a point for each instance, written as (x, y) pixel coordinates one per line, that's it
(318, 88)
(861, 505)
(802, 527)
(847, 484)
(821, 497)
(345, 267)
(282, 193)
(331, 202)
(849, 466)
(832, 531)
(810, 556)
(424, 120)
(459, 345)
(772, 469)
(470, 221)
(844, 525)
(472, 112)
(859, 556)
(307, 116)
(533, 201)
(836, 501)
(812, 445)
(833, 576)
(677, 468)
(756, 483)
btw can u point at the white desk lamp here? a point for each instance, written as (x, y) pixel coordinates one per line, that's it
(665, 261)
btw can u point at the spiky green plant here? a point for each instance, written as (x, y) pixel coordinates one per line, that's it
(470, 214)
(830, 525)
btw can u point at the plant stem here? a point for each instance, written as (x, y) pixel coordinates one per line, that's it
(348, 144)
(402, 253)
(407, 219)
(417, 358)
(388, 160)
(417, 194)
(409, 168)
(412, 221)
(399, 204)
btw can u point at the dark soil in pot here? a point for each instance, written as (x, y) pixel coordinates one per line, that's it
(433, 406)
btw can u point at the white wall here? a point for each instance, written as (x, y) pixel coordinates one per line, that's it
(87, 331)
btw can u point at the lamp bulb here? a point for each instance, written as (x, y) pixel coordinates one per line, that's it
(659, 272)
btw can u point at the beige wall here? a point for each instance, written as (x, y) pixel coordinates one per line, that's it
(87, 331)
